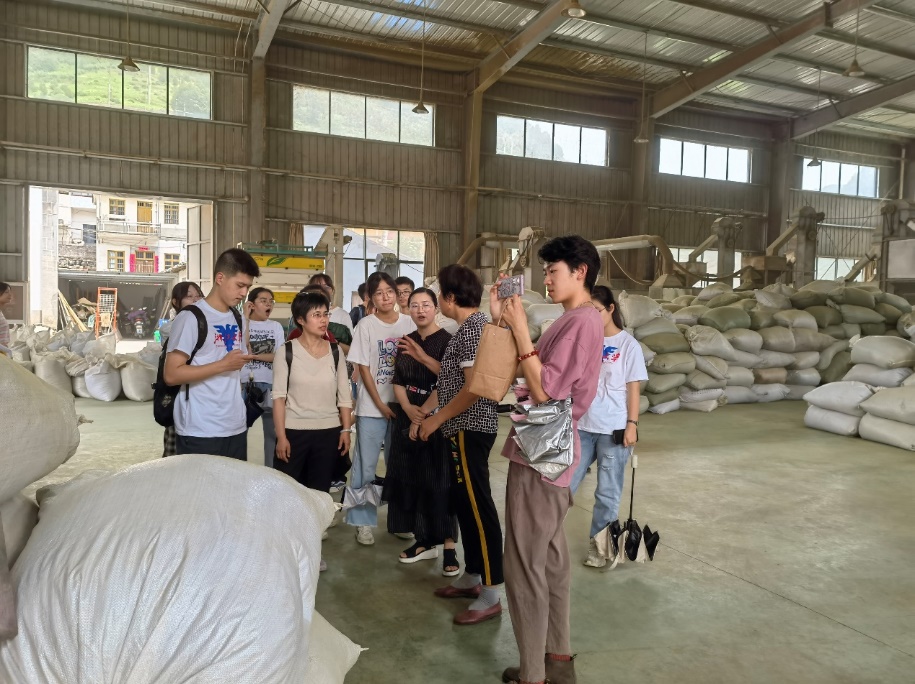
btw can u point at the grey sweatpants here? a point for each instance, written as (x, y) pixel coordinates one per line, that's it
(538, 571)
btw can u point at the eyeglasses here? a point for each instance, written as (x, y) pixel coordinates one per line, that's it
(404, 292)
(600, 309)
(425, 306)
(265, 301)
(319, 314)
(384, 294)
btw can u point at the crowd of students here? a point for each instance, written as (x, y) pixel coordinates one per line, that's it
(412, 400)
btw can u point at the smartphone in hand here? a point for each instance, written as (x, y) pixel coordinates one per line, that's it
(513, 285)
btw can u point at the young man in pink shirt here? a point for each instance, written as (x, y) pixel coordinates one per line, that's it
(565, 362)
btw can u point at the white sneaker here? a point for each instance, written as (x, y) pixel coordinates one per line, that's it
(594, 559)
(364, 535)
(404, 535)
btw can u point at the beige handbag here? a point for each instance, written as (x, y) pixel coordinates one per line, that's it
(496, 363)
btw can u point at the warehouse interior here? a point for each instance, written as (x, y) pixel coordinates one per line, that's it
(756, 144)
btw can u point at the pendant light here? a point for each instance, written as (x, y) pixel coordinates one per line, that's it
(815, 162)
(421, 108)
(574, 11)
(640, 138)
(127, 64)
(854, 69)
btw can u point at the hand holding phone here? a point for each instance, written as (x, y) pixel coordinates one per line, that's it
(513, 285)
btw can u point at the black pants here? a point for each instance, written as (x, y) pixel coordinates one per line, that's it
(472, 501)
(235, 446)
(313, 456)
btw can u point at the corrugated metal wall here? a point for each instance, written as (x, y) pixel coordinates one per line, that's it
(13, 233)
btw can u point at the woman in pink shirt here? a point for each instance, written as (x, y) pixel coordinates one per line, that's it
(565, 363)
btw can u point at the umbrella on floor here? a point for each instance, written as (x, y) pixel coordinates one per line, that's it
(618, 543)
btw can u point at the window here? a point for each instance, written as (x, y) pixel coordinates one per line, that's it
(551, 141)
(170, 214)
(331, 112)
(90, 234)
(171, 260)
(359, 259)
(93, 80)
(829, 268)
(115, 261)
(710, 258)
(144, 212)
(842, 179)
(116, 207)
(145, 261)
(697, 160)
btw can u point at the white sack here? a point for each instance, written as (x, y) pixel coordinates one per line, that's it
(98, 349)
(905, 326)
(767, 393)
(740, 395)
(637, 310)
(648, 354)
(828, 354)
(689, 315)
(698, 380)
(712, 291)
(809, 377)
(52, 368)
(78, 345)
(894, 403)
(797, 392)
(889, 432)
(796, 319)
(701, 406)
(825, 316)
(853, 296)
(152, 351)
(831, 421)
(103, 380)
(804, 360)
(770, 376)
(726, 318)
(858, 314)
(691, 396)
(79, 387)
(780, 288)
(895, 301)
(712, 366)
(774, 359)
(744, 359)
(744, 339)
(678, 362)
(740, 377)
(18, 516)
(658, 383)
(137, 379)
(657, 326)
(884, 352)
(878, 377)
(644, 404)
(707, 341)
(843, 397)
(778, 339)
(197, 569)
(811, 340)
(724, 299)
(773, 300)
(851, 330)
(21, 352)
(45, 433)
(77, 366)
(330, 654)
(666, 407)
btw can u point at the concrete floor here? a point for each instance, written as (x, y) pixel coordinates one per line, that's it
(786, 556)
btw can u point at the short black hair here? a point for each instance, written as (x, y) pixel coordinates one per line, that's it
(4, 287)
(463, 284)
(604, 295)
(425, 291)
(403, 280)
(257, 291)
(305, 301)
(361, 291)
(234, 261)
(179, 291)
(322, 279)
(575, 251)
(376, 279)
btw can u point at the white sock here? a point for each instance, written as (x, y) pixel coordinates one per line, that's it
(487, 599)
(466, 581)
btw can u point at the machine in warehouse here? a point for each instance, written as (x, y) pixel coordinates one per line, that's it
(890, 259)
(285, 269)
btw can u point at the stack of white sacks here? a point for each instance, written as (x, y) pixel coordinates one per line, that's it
(198, 568)
(77, 363)
(876, 397)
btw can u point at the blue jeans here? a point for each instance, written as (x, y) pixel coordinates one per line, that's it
(370, 433)
(269, 428)
(611, 474)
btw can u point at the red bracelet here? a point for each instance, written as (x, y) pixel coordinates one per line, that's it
(528, 355)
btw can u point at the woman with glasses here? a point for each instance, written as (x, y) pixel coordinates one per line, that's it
(340, 325)
(418, 477)
(312, 405)
(610, 426)
(373, 352)
(262, 338)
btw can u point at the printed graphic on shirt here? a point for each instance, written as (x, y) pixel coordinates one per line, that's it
(262, 342)
(228, 334)
(387, 355)
(611, 354)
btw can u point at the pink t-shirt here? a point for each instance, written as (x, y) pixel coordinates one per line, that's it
(570, 351)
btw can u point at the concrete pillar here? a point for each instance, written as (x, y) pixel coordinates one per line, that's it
(50, 234)
(257, 126)
(781, 176)
(473, 126)
(907, 182)
(642, 156)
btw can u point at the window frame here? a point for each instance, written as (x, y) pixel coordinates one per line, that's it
(123, 207)
(705, 145)
(298, 87)
(168, 207)
(553, 124)
(120, 259)
(168, 257)
(167, 67)
(842, 165)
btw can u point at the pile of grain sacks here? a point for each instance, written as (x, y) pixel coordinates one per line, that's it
(876, 397)
(79, 364)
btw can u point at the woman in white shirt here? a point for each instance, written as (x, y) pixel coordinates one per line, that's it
(312, 404)
(610, 426)
(373, 352)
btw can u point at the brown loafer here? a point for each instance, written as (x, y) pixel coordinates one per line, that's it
(512, 675)
(454, 592)
(475, 617)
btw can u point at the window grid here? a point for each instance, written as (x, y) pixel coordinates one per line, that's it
(812, 179)
(170, 214)
(678, 169)
(117, 207)
(524, 145)
(171, 260)
(115, 260)
(168, 73)
(304, 91)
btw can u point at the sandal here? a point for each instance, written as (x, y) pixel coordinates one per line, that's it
(449, 560)
(414, 554)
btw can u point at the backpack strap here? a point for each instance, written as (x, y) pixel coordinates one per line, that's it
(335, 350)
(202, 332)
(288, 346)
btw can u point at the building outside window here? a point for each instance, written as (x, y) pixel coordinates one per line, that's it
(145, 261)
(698, 160)
(170, 214)
(117, 207)
(90, 234)
(534, 139)
(171, 260)
(842, 179)
(115, 260)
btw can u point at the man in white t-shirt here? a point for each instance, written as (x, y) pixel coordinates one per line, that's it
(263, 339)
(210, 415)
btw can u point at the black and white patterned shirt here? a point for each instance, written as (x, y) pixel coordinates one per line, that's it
(460, 354)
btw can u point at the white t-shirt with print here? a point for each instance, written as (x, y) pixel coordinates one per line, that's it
(264, 337)
(375, 345)
(214, 407)
(622, 362)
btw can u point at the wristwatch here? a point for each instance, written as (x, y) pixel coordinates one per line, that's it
(634, 422)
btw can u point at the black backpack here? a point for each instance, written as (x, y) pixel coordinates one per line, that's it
(164, 395)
